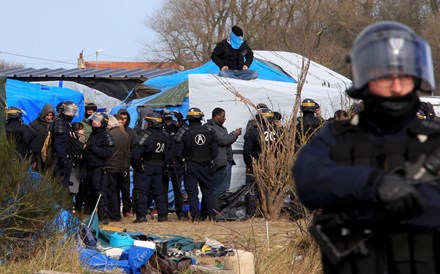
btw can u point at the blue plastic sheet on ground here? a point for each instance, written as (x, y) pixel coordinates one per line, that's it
(92, 259)
(137, 256)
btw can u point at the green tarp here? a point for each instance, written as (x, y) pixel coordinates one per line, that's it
(172, 97)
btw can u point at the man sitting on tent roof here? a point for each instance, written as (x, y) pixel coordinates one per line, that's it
(234, 56)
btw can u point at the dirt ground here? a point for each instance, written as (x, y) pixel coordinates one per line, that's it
(245, 234)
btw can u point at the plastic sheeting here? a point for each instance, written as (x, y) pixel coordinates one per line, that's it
(164, 83)
(32, 97)
(103, 101)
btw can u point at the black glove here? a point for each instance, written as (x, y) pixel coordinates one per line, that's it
(400, 199)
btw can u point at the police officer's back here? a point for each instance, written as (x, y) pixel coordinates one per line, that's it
(196, 144)
(148, 159)
(308, 123)
(264, 129)
(380, 198)
(18, 132)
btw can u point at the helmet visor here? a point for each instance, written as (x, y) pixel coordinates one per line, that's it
(394, 52)
(70, 110)
(97, 117)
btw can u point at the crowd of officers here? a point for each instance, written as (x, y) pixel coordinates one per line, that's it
(93, 157)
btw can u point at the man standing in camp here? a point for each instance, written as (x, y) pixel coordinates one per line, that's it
(116, 168)
(224, 160)
(234, 56)
(197, 148)
(89, 109)
(42, 126)
(124, 186)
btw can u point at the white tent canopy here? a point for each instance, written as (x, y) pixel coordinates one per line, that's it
(291, 63)
(209, 91)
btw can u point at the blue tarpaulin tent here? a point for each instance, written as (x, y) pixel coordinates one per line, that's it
(32, 97)
(165, 83)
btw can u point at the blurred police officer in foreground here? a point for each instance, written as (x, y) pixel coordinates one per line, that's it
(62, 134)
(18, 132)
(99, 148)
(196, 145)
(148, 159)
(380, 198)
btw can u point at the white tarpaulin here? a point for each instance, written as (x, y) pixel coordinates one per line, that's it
(208, 92)
(291, 63)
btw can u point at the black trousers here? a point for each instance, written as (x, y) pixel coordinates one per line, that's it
(146, 182)
(113, 195)
(176, 182)
(123, 187)
(198, 175)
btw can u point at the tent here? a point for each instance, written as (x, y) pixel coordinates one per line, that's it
(276, 86)
(32, 97)
(275, 66)
(104, 102)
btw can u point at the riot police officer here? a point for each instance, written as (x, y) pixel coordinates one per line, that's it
(63, 134)
(197, 146)
(264, 126)
(308, 123)
(148, 158)
(99, 148)
(174, 171)
(264, 129)
(379, 198)
(18, 132)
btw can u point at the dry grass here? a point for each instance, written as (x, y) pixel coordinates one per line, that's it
(280, 247)
(57, 254)
(286, 248)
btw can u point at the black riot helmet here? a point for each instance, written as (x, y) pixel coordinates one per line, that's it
(69, 108)
(154, 119)
(99, 117)
(265, 113)
(390, 48)
(308, 105)
(14, 113)
(194, 114)
(91, 106)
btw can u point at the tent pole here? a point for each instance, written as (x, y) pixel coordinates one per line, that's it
(94, 211)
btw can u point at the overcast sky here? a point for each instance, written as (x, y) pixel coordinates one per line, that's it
(58, 30)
